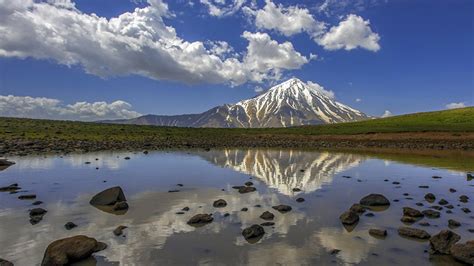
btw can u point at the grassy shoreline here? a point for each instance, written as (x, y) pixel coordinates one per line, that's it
(450, 129)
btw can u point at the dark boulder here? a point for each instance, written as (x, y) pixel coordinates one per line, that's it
(253, 233)
(109, 196)
(410, 212)
(442, 242)
(36, 215)
(443, 202)
(463, 252)
(413, 233)
(245, 189)
(72, 249)
(378, 233)
(463, 198)
(374, 200)
(349, 218)
(357, 208)
(430, 197)
(5, 262)
(200, 219)
(453, 223)
(267, 216)
(282, 208)
(220, 203)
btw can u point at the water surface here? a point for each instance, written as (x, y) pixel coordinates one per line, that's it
(156, 235)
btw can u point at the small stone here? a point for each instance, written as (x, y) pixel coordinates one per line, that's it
(185, 209)
(431, 214)
(453, 223)
(378, 233)
(430, 197)
(438, 208)
(220, 203)
(179, 185)
(359, 209)
(267, 216)
(419, 204)
(413, 232)
(244, 209)
(248, 183)
(466, 210)
(299, 200)
(369, 214)
(424, 186)
(374, 200)
(424, 224)
(334, 251)
(396, 183)
(27, 197)
(38, 202)
(70, 225)
(452, 190)
(349, 218)
(267, 224)
(200, 219)
(443, 202)
(253, 233)
(119, 230)
(127, 158)
(296, 189)
(436, 177)
(173, 190)
(282, 208)
(408, 219)
(244, 189)
(463, 198)
(407, 211)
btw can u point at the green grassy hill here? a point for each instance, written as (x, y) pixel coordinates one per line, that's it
(458, 120)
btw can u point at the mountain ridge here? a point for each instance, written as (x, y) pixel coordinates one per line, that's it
(291, 103)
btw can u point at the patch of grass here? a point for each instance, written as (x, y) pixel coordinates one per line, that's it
(458, 120)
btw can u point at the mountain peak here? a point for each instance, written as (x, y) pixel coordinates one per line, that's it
(291, 103)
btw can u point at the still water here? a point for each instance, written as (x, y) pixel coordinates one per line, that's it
(156, 235)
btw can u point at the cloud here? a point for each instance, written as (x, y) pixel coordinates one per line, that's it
(351, 33)
(222, 8)
(334, 7)
(138, 43)
(358, 100)
(330, 94)
(286, 20)
(258, 89)
(455, 105)
(46, 108)
(264, 53)
(387, 113)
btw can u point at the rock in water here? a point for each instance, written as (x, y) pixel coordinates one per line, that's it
(253, 233)
(200, 219)
(10, 188)
(119, 230)
(413, 232)
(463, 252)
(72, 249)
(120, 206)
(357, 208)
(453, 223)
(267, 216)
(109, 196)
(378, 233)
(374, 200)
(282, 208)
(410, 212)
(220, 203)
(5, 262)
(244, 189)
(36, 215)
(349, 218)
(442, 242)
(70, 225)
(431, 214)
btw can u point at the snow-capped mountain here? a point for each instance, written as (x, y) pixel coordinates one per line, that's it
(291, 103)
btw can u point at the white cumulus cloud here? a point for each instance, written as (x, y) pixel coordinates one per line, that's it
(137, 42)
(455, 105)
(387, 113)
(286, 20)
(47, 108)
(351, 33)
(320, 88)
(222, 8)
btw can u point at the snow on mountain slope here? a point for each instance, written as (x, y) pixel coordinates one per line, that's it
(291, 103)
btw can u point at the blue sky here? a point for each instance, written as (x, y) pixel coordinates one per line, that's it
(402, 56)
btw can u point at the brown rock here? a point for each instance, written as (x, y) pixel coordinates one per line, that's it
(413, 232)
(374, 200)
(442, 242)
(72, 249)
(463, 252)
(109, 196)
(349, 218)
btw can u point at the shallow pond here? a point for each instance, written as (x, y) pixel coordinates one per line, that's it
(157, 235)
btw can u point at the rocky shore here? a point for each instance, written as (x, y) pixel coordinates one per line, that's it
(408, 141)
